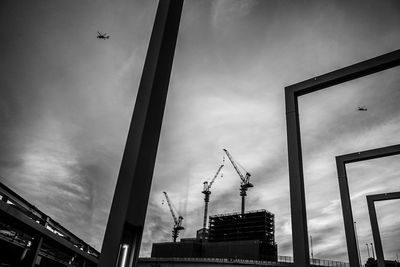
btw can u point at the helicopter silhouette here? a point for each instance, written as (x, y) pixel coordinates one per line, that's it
(102, 36)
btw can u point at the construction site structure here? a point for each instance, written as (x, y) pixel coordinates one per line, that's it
(177, 221)
(248, 236)
(245, 180)
(254, 225)
(206, 191)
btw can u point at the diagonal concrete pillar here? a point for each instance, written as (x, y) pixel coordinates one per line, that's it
(128, 211)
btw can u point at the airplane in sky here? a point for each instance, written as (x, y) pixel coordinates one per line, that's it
(362, 108)
(102, 36)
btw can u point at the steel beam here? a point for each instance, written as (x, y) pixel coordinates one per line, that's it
(296, 183)
(128, 211)
(348, 220)
(374, 222)
(349, 73)
(341, 162)
(296, 179)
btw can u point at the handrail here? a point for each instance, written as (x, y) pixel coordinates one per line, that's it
(282, 261)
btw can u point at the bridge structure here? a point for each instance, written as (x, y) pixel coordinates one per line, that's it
(29, 237)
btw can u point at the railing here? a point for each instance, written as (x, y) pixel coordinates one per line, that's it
(215, 260)
(239, 213)
(17, 202)
(282, 261)
(316, 262)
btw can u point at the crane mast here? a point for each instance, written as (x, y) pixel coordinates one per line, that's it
(206, 191)
(245, 180)
(177, 221)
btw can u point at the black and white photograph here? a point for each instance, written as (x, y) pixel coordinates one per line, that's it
(172, 133)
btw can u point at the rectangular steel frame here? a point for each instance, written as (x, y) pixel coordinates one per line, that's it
(341, 162)
(374, 222)
(296, 179)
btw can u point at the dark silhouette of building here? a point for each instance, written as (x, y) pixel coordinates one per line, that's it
(230, 236)
(371, 262)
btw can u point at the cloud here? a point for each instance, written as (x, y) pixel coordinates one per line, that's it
(224, 11)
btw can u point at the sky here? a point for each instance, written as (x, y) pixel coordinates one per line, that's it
(66, 99)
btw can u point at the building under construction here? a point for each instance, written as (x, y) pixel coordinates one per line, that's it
(250, 236)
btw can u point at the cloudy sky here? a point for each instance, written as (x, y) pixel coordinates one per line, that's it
(66, 99)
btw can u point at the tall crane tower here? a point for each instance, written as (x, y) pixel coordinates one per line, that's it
(245, 179)
(177, 221)
(206, 191)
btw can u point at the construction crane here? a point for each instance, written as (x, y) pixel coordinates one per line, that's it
(177, 221)
(206, 191)
(245, 179)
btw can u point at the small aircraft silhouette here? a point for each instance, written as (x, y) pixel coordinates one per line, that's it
(102, 36)
(362, 108)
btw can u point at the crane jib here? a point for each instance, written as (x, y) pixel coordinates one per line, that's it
(245, 179)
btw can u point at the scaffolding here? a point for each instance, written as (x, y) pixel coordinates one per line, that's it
(252, 225)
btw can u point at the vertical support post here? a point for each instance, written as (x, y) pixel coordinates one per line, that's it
(358, 245)
(30, 259)
(296, 181)
(373, 251)
(243, 194)
(347, 214)
(375, 232)
(81, 261)
(128, 211)
(312, 252)
(206, 200)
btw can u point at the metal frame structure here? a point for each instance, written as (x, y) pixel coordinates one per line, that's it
(374, 222)
(341, 162)
(28, 219)
(296, 177)
(252, 225)
(124, 229)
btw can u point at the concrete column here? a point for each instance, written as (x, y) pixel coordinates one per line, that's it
(296, 181)
(376, 235)
(128, 211)
(347, 214)
(31, 257)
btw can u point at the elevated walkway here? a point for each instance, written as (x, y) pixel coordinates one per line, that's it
(26, 230)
